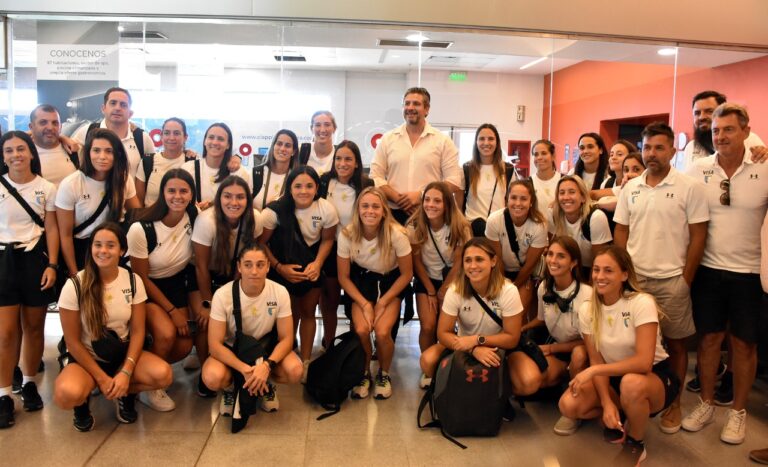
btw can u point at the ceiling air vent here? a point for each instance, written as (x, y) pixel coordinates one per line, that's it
(407, 43)
(141, 35)
(290, 58)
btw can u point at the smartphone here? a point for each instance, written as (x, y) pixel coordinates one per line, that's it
(192, 325)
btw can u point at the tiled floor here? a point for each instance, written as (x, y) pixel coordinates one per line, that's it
(365, 432)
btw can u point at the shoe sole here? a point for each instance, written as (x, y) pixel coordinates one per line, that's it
(723, 403)
(690, 430)
(732, 441)
(758, 460)
(358, 397)
(90, 428)
(670, 430)
(120, 418)
(694, 390)
(382, 397)
(33, 408)
(565, 432)
(642, 458)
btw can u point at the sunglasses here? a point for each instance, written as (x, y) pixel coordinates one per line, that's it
(725, 197)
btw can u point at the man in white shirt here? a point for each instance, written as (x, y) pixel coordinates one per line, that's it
(413, 155)
(727, 292)
(117, 115)
(661, 219)
(45, 128)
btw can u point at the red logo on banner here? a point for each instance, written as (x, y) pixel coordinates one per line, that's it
(375, 140)
(245, 149)
(157, 137)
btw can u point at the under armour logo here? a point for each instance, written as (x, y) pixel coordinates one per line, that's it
(670, 195)
(482, 374)
(753, 177)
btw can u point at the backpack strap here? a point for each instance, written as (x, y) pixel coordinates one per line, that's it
(509, 174)
(304, 150)
(258, 178)
(93, 217)
(586, 229)
(15, 193)
(496, 319)
(428, 400)
(198, 191)
(138, 139)
(236, 305)
(73, 156)
(465, 168)
(512, 235)
(147, 163)
(437, 249)
(151, 234)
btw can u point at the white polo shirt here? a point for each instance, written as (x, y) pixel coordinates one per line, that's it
(55, 164)
(16, 225)
(658, 219)
(733, 235)
(321, 166)
(694, 151)
(529, 235)
(172, 252)
(342, 197)
(134, 158)
(408, 168)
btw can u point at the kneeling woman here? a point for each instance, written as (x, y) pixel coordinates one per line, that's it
(375, 266)
(480, 275)
(629, 371)
(266, 305)
(102, 316)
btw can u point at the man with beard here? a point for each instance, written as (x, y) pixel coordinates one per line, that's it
(704, 104)
(45, 128)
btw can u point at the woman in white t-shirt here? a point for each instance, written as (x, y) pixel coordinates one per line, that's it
(375, 266)
(592, 165)
(487, 178)
(102, 178)
(269, 178)
(341, 186)
(29, 247)
(619, 151)
(160, 248)
(319, 154)
(437, 232)
(570, 213)
(173, 156)
(546, 177)
(265, 308)
(480, 272)
(628, 367)
(214, 167)
(632, 166)
(102, 315)
(299, 230)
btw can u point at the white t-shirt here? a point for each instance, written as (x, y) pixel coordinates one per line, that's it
(55, 164)
(367, 255)
(312, 220)
(16, 225)
(477, 206)
(563, 326)
(134, 158)
(258, 314)
(83, 194)
(733, 232)
(529, 235)
(117, 303)
(617, 329)
(273, 189)
(172, 252)
(160, 166)
(599, 231)
(589, 179)
(658, 219)
(208, 178)
(429, 255)
(343, 199)
(693, 151)
(764, 254)
(546, 191)
(472, 318)
(204, 232)
(321, 166)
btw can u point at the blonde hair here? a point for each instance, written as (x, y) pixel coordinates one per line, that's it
(354, 231)
(459, 227)
(558, 216)
(461, 283)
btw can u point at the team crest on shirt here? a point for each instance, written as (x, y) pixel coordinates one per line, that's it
(188, 229)
(634, 195)
(625, 318)
(254, 310)
(40, 197)
(213, 179)
(528, 238)
(127, 295)
(108, 297)
(344, 197)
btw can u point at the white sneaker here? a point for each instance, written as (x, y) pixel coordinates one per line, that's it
(360, 391)
(567, 426)
(425, 381)
(735, 429)
(304, 374)
(269, 401)
(702, 415)
(191, 362)
(383, 387)
(157, 400)
(227, 403)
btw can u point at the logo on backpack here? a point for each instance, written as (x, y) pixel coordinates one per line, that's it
(472, 375)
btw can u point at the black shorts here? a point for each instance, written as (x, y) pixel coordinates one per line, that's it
(725, 300)
(177, 287)
(564, 357)
(668, 378)
(373, 285)
(81, 251)
(110, 368)
(400, 216)
(419, 288)
(20, 275)
(330, 268)
(511, 275)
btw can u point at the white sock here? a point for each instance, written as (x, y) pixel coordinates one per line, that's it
(27, 379)
(6, 391)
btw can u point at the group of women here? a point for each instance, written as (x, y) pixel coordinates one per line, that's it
(216, 250)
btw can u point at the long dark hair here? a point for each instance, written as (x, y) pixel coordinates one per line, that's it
(222, 245)
(223, 170)
(475, 164)
(159, 210)
(356, 181)
(285, 206)
(118, 174)
(572, 248)
(35, 163)
(294, 162)
(602, 165)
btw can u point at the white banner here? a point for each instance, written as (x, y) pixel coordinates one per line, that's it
(77, 62)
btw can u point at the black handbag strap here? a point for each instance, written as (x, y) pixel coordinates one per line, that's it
(496, 318)
(429, 229)
(490, 202)
(233, 262)
(236, 306)
(93, 217)
(512, 235)
(266, 189)
(15, 193)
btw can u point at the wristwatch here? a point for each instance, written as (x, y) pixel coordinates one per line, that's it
(480, 340)
(207, 304)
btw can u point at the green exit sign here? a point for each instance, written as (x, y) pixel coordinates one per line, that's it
(457, 76)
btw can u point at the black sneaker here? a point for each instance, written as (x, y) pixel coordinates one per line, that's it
(83, 420)
(724, 394)
(17, 379)
(31, 398)
(632, 453)
(203, 391)
(41, 367)
(613, 436)
(6, 412)
(509, 412)
(126, 409)
(693, 385)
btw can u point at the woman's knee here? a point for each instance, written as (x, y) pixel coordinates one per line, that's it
(569, 406)
(524, 381)
(633, 387)
(215, 375)
(292, 369)
(383, 332)
(579, 357)
(68, 393)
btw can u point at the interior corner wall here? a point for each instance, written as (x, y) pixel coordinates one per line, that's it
(589, 92)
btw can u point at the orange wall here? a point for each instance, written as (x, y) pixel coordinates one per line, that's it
(588, 92)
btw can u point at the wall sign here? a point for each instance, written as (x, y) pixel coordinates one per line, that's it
(77, 62)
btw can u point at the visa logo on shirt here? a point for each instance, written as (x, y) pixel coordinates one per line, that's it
(634, 195)
(625, 318)
(316, 220)
(708, 173)
(127, 296)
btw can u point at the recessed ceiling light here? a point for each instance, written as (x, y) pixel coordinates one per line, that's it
(395, 56)
(537, 61)
(668, 51)
(121, 28)
(419, 37)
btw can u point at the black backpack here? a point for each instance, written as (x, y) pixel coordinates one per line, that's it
(332, 375)
(304, 151)
(466, 398)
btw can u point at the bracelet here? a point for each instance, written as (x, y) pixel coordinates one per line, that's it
(131, 360)
(55, 267)
(432, 294)
(171, 310)
(126, 372)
